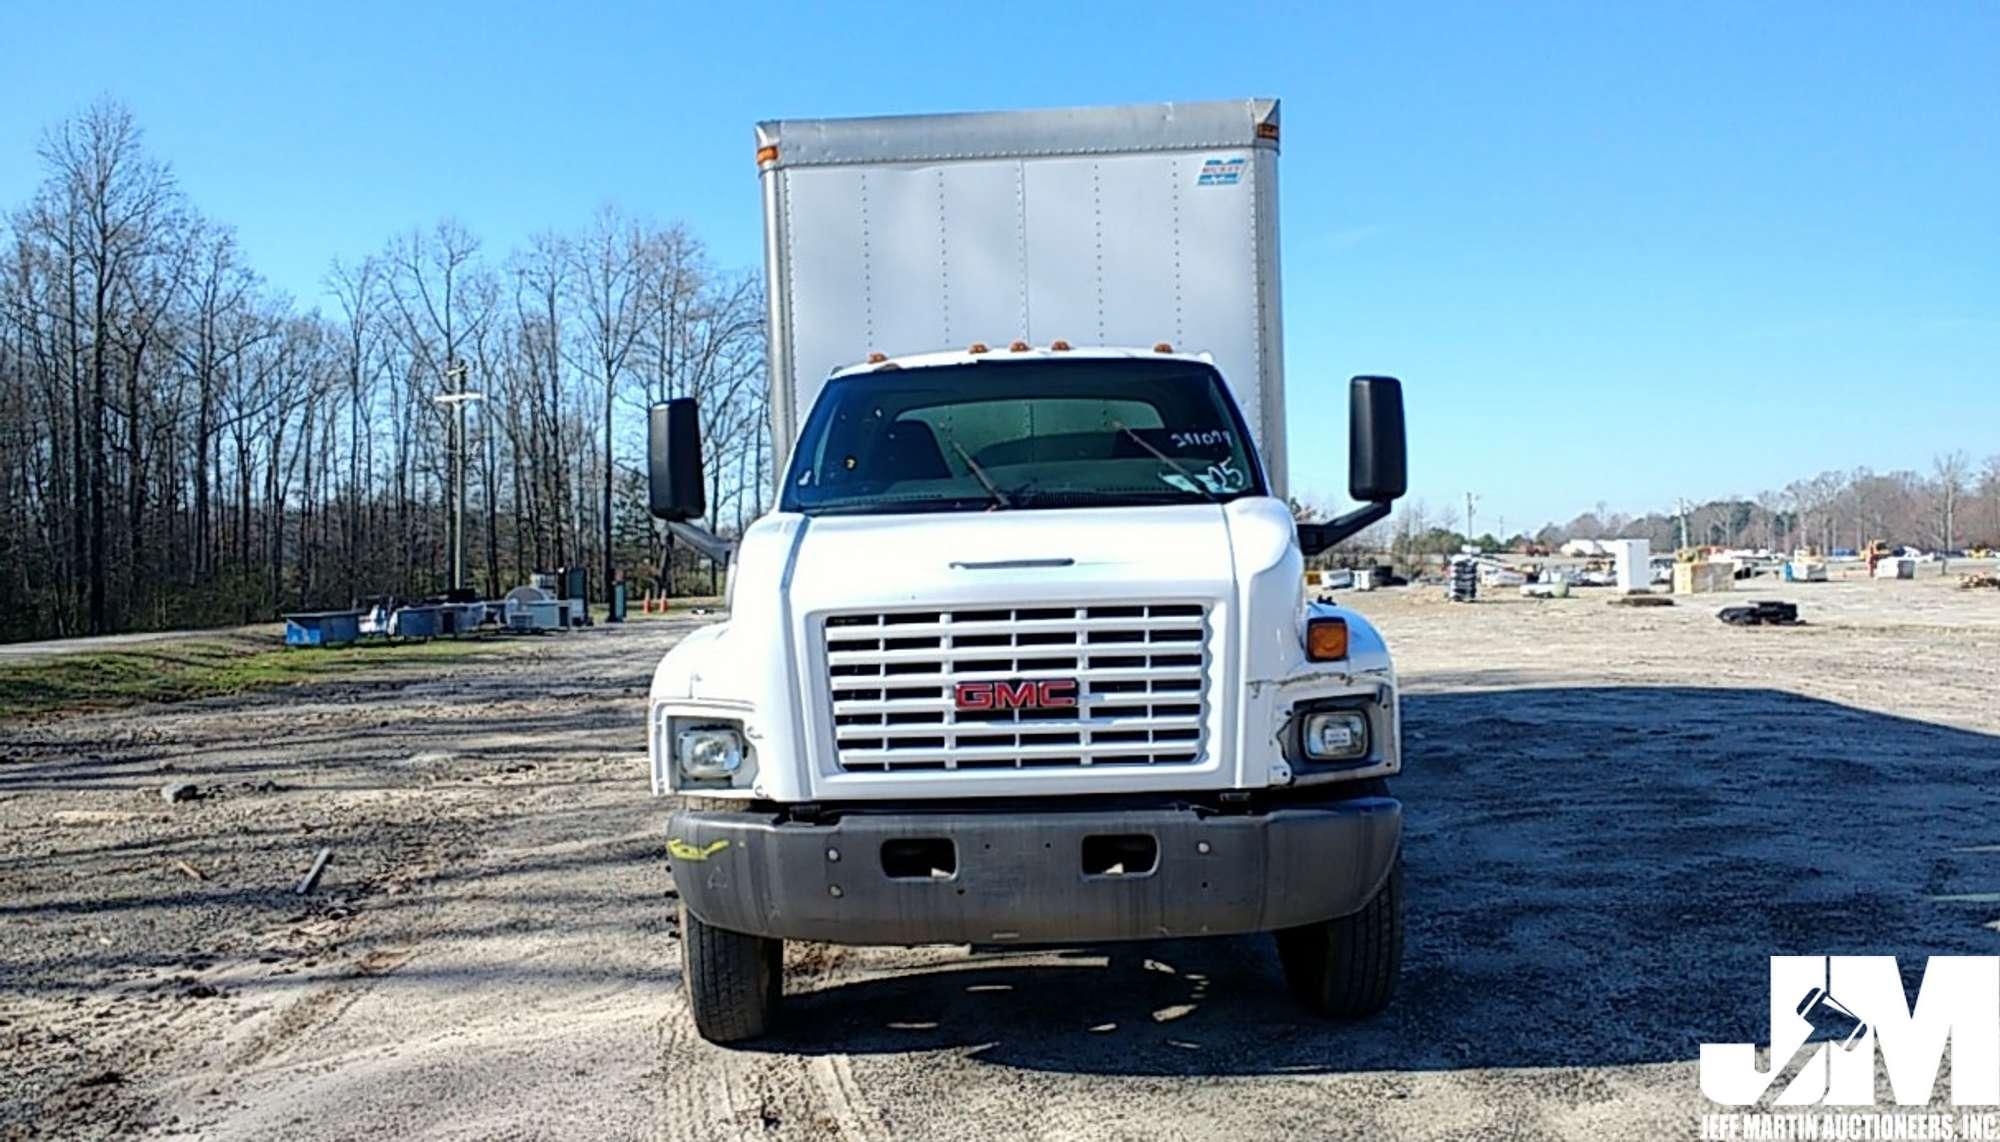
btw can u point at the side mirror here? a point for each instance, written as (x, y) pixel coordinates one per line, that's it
(677, 488)
(1376, 465)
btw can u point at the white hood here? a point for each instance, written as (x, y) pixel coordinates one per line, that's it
(956, 558)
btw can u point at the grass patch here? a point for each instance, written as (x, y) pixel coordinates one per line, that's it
(202, 668)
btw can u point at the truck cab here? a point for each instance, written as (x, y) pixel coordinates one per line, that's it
(1023, 656)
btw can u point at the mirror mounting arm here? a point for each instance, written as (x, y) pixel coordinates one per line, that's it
(709, 544)
(1317, 537)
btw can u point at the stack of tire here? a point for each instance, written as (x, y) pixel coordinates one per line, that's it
(1463, 584)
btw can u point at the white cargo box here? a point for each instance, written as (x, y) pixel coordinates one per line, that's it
(1635, 564)
(1103, 226)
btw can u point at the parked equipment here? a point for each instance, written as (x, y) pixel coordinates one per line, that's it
(534, 609)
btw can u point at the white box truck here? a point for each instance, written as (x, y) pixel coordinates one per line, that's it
(1022, 655)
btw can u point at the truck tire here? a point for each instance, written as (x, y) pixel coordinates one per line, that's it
(1347, 967)
(734, 982)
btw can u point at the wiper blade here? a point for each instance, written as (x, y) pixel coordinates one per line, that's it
(895, 507)
(1169, 461)
(1000, 498)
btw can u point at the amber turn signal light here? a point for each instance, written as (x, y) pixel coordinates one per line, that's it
(1326, 639)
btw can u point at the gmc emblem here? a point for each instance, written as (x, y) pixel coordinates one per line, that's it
(1042, 694)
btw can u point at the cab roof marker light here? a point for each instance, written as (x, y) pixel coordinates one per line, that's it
(1163, 347)
(976, 347)
(1018, 347)
(1059, 346)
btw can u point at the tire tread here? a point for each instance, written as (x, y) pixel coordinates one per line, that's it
(734, 981)
(1348, 966)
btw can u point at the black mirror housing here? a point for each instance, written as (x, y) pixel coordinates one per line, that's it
(1377, 466)
(676, 484)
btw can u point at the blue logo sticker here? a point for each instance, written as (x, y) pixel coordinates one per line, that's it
(1221, 172)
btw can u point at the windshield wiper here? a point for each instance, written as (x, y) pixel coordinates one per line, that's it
(1169, 461)
(896, 507)
(1000, 499)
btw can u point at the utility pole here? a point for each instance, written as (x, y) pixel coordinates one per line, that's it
(457, 397)
(1683, 504)
(1469, 498)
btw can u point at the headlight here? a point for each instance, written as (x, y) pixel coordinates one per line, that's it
(708, 753)
(1339, 735)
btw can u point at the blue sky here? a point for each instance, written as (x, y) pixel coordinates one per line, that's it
(1618, 253)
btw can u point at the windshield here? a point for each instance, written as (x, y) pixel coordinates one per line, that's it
(1084, 432)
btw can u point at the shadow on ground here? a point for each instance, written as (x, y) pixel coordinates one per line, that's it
(1595, 875)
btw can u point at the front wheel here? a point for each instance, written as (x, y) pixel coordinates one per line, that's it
(734, 981)
(1347, 967)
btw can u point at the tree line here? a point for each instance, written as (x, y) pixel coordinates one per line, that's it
(181, 444)
(1956, 506)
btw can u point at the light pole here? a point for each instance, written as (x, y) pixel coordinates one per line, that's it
(456, 400)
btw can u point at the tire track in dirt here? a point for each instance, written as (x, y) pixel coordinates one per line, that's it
(764, 1093)
(825, 966)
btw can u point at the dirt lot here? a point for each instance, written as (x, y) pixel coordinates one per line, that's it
(1615, 816)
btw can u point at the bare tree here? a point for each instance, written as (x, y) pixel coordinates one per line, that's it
(606, 277)
(429, 291)
(1989, 491)
(1951, 470)
(541, 285)
(111, 194)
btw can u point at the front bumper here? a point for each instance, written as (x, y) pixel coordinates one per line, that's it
(1019, 877)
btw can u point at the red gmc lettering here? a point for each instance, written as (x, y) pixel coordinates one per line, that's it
(1045, 694)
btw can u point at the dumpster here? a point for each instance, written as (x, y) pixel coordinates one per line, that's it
(414, 622)
(322, 628)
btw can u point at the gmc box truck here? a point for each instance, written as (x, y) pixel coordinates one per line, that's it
(1023, 655)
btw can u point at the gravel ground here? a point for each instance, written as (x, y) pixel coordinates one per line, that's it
(1615, 816)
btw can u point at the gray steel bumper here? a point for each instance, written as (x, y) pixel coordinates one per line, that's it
(1020, 876)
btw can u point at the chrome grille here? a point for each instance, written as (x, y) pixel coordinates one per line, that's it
(1141, 671)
